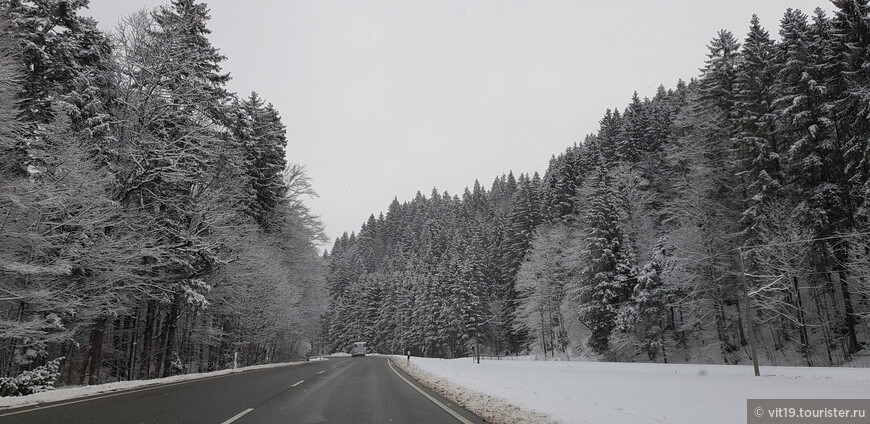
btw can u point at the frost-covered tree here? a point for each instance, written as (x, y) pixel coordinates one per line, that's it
(755, 146)
(762, 153)
(173, 164)
(542, 287)
(524, 216)
(607, 277)
(651, 297)
(257, 127)
(632, 141)
(850, 30)
(67, 59)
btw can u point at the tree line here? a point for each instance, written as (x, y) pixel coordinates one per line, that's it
(635, 244)
(150, 224)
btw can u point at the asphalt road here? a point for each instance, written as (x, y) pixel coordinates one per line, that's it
(341, 390)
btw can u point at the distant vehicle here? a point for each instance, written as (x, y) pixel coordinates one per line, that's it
(358, 349)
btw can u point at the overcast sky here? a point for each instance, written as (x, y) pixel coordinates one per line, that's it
(384, 98)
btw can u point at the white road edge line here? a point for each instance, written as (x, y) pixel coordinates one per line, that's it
(298, 383)
(104, 395)
(455, 414)
(237, 416)
(107, 394)
(321, 372)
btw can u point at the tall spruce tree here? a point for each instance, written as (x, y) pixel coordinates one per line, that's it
(257, 128)
(755, 146)
(851, 48)
(608, 276)
(67, 59)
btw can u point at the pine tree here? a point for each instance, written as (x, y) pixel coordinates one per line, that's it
(563, 178)
(470, 294)
(194, 70)
(651, 297)
(632, 141)
(851, 48)
(764, 147)
(607, 276)
(524, 216)
(67, 60)
(719, 74)
(11, 127)
(755, 146)
(814, 162)
(257, 128)
(604, 144)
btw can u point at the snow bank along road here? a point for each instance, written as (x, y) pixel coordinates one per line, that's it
(631, 393)
(341, 390)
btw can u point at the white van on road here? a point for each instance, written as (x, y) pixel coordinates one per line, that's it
(358, 349)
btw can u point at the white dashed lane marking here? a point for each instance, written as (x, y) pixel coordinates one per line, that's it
(237, 416)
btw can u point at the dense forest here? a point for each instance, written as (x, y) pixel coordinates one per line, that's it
(150, 224)
(733, 207)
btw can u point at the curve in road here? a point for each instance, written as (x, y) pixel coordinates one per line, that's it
(341, 390)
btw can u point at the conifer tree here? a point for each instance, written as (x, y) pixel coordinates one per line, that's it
(67, 61)
(651, 297)
(851, 49)
(632, 141)
(563, 178)
(608, 276)
(257, 128)
(719, 74)
(755, 146)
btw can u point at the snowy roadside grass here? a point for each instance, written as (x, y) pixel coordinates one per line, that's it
(491, 408)
(627, 393)
(73, 392)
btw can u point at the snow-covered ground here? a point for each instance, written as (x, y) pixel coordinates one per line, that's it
(623, 393)
(73, 392)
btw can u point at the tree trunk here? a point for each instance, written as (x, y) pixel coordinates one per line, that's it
(148, 339)
(841, 257)
(131, 346)
(171, 327)
(68, 363)
(825, 320)
(740, 333)
(802, 325)
(662, 341)
(543, 336)
(95, 358)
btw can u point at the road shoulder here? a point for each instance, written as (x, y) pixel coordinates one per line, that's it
(65, 394)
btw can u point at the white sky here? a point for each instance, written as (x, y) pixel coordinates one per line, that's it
(384, 98)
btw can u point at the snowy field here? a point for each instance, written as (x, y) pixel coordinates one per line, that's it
(623, 393)
(66, 393)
